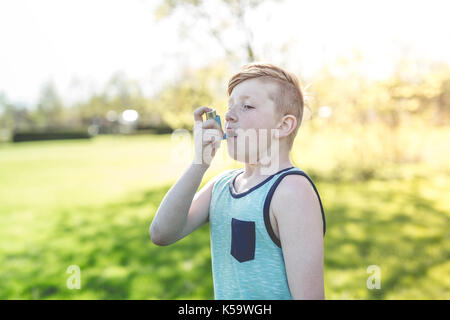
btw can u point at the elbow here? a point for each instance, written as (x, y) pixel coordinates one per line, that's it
(156, 238)
(158, 241)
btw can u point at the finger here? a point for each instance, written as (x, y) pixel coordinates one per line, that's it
(210, 124)
(199, 112)
(217, 142)
(208, 141)
(213, 138)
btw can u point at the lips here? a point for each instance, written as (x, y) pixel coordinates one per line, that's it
(231, 134)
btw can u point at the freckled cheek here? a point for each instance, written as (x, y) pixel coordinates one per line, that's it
(264, 137)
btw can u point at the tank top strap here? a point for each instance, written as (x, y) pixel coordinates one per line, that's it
(273, 185)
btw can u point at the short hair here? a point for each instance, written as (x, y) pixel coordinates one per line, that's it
(289, 97)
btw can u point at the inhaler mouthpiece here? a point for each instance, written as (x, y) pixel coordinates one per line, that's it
(212, 115)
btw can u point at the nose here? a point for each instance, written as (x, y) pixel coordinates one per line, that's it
(230, 116)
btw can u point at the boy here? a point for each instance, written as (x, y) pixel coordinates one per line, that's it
(266, 220)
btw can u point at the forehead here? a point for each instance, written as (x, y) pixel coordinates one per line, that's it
(255, 89)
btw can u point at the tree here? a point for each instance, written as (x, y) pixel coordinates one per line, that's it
(118, 94)
(50, 108)
(13, 116)
(232, 15)
(6, 113)
(205, 86)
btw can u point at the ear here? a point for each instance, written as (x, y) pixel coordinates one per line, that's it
(285, 126)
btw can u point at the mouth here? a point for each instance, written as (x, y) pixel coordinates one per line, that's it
(231, 134)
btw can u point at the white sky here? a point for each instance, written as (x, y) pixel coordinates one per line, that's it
(91, 40)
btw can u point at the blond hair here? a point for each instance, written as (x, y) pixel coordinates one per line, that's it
(289, 97)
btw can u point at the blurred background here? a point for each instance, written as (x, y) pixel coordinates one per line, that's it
(91, 93)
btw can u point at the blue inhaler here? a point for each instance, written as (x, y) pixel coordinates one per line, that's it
(213, 115)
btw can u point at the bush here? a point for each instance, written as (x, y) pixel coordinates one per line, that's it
(21, 136)
(153, 129)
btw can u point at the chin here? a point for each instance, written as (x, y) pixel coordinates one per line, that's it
(243, 156)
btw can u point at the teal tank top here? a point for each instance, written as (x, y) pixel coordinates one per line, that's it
(246, 255)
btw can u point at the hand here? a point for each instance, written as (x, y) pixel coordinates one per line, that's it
(207, 137)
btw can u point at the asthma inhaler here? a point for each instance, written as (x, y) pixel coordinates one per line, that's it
(213, 115)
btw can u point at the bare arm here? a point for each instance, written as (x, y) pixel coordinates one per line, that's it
(182, 210)
(299, 219)
(172, 215)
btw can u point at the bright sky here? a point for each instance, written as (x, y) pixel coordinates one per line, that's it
(80, 44)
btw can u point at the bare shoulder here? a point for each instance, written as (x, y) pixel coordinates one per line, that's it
(295, 192)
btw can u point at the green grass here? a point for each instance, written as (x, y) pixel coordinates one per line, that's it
(90, 203)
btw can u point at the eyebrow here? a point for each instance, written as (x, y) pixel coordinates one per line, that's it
(242, 97)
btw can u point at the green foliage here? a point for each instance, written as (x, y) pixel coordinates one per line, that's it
(119, 93)
(417, 94)
(20, 136)
(49, 107)
(177, 101)
(416, 91)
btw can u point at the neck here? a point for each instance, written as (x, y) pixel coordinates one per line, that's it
(267, 168)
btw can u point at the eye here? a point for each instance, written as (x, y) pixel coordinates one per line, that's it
(246, 106)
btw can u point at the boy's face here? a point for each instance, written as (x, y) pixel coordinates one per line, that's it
(251, 115)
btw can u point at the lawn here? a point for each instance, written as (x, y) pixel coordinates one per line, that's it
(90, 203)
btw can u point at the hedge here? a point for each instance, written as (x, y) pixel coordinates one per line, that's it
(55, 135)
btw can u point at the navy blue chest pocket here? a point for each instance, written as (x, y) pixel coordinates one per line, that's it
(242, 240)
